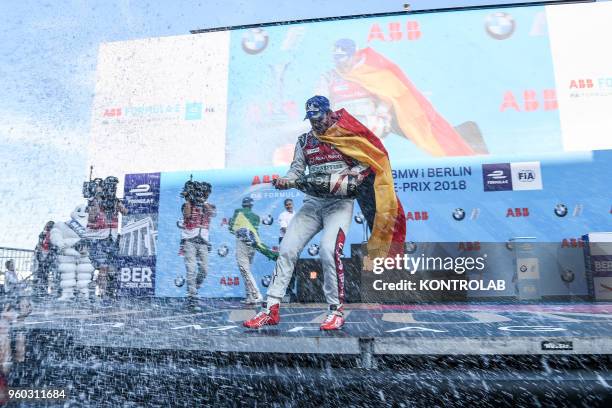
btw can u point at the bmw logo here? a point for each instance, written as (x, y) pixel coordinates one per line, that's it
(179, 281)
(254, 41)
(560, 210)
(267, 220)
(223, 251)
(313, 250)
(523, 268)
(499, 25)
(567, 276)
(458, 214)
(266, 280)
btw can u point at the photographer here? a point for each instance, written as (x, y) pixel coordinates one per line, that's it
(197, 213)
(103, 229)
(44, 254)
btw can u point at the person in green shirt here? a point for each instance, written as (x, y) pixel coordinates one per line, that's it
(244, 224)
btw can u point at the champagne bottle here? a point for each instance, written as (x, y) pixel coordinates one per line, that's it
(328, 185)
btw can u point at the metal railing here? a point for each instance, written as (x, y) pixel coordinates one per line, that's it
(23, 258)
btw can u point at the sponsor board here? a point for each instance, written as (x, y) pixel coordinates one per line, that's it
(515, 176)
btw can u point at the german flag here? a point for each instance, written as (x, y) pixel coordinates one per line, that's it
(377, 197)
(415, 116)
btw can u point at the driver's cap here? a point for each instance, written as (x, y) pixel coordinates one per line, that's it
(316, 107)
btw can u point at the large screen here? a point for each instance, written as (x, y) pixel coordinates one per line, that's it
(492, 81)
(160, 105)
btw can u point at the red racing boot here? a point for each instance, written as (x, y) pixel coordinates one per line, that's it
(267, 317)
(335, 318)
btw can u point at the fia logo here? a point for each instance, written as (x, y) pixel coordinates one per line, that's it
(526, 175)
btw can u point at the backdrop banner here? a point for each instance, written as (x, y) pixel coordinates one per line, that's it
(474, 202)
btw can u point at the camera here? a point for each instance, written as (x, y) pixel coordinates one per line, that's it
(92, 188)
(196, 192)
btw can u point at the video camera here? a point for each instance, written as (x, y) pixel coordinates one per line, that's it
(196, 192)
(92, 188)
(104, 190)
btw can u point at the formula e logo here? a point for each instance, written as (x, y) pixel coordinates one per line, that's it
(526, 175)
(497, 177)
(142, 190)
(193, 110)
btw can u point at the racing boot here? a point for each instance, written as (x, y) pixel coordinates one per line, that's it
(267, 317)
(192, 305)
(335, 318)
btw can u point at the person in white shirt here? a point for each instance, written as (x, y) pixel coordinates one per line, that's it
(285, 218)
(11, 281)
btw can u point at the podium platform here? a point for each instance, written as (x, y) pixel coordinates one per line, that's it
(136, 348)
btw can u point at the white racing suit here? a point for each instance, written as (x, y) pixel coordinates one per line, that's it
(332, 215)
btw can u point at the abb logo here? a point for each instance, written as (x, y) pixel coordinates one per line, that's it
(530, 101)
(264, 179)
(230, 281)
(517, 212)
(572, 243)
(112, 112)
(417, 216)
(469, 246)
(581, 83)
(396, 31)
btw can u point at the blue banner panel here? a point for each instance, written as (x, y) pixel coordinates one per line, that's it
(553, 200)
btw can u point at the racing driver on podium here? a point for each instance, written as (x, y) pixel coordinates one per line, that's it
(340, 147)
